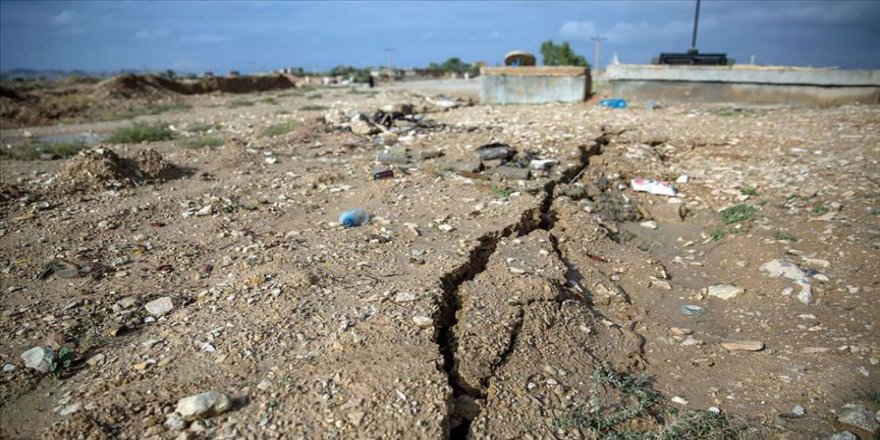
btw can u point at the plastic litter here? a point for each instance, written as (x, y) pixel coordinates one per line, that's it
(354, 218)
(652, 186)
(613, 103)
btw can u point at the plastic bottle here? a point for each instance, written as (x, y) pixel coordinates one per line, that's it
(354, 218)
(613, 103)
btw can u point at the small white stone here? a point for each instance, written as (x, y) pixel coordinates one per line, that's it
(680, 400)
(724, 291)
(159, 307)
(650, 224)
(206, 210)
(38, 358)
(446, 227)
(798, 410)
(404, 297)
(201, 405)
(423, 321)
(8, 368)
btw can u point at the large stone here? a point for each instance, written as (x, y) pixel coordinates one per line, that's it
(667, 212)
(159, 307)
(203, 405)
(513, 172)
(38, 358)
(724, 291)
(843, 435)
(856, 415)
(743, 345)
(360, 124)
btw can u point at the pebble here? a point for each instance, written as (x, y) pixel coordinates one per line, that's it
(203, 405)
(855, 414)
(843, 435)
(690, 309)
(96, 359)
(264, 385)
(70, 409)
(38, 358)
(798, 411)
(423, 321)
(8, 368)
(404, 297)
(650, 224)
(743, 345)
(159, 306)
(174, 422)
(680, 400)
(724, 291)
(678, 331)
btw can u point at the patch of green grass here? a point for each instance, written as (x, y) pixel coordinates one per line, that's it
(717, 234)
(315, 96)
(875, 211)
(313, 108)
(707, 425)
(738, 214)
(504, 192)
(749, 191)
(278, 129)
(201, 127)
(197, 143)
(820, 208)
(141, 132)
(33, 152)
(62, 361)
(236, 103)
(784, 236)
(270, 100)
(607, 419)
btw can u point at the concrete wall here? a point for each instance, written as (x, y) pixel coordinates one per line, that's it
(745, 84)
(533, 85)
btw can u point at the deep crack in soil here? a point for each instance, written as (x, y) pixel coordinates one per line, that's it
(462, 407)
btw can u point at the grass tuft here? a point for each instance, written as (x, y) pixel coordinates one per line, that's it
(821, 208)
(278, 129)
(313, 108)
(197, 143)
(236, 103)
(201, 127)
(749, 191)
(141, 132)
(784, 236)
(738, 214)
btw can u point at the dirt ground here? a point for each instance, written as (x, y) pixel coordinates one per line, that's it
(474, 303)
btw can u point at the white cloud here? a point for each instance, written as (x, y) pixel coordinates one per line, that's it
(149, 35)
(64, 18)
(578, 30)
(204, 38)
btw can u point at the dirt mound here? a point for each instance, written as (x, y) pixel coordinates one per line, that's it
(244, 84)
(101, 168)
(130, 86)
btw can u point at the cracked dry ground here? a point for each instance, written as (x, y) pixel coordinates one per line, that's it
(534, 290)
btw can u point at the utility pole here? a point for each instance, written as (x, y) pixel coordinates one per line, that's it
(596, 58)
(694, 38)
(390, 68)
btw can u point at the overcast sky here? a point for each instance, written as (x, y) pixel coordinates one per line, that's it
(257, 36)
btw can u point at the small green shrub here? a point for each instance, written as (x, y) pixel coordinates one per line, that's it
(141, 132)
(821, 208)
(784, 236)
(197, 143)
(313, 108)
(62, 361)
(236, 103)
(270, 100)
(749, 191)
(717, 234)
(278, 129)
(738, 214)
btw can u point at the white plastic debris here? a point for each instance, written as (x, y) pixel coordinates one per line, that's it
(652, 186)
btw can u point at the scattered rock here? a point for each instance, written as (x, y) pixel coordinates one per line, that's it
(650, 224)
(423, 321)
(678, 331)
(856, 415)
(843, 435)
(38, 358)
(782, 268)
(515, 173)
(159, 307)
(743, 345)
(203, 405)
(360, 124)
(680, 400)
(8, 368)
(690, 309)
(494, 151)
(724, 291)
(798, 411)
(404, 297)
